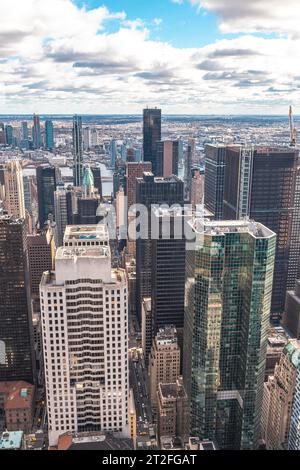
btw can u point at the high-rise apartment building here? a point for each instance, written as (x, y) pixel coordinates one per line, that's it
(77, 151)
(164, 363)
(278, 398)
(85, 337)
(167, 153)
(49, 135)
(228, 298)
(36, 132)
(16, 355)
(14, 190)
(46, 186)
(152, 190)
(214, 179)
(151, 135)
(260, 183)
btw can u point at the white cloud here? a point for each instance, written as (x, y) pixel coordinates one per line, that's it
(254, 15)
(55, 57)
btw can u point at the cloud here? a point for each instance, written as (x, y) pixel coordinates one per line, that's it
(57, 57)
(267, 16)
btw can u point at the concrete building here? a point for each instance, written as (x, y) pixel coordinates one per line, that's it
(40, 251)
(14, 190)
(197, 187)
(167, 158)
(85, 338)
(11, 440)
(164, 364)
(277, 339)
(278, 398)
(172, 410)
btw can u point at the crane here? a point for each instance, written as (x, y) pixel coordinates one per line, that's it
(292, 128)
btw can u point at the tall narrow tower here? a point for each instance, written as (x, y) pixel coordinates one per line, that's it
(77, 151)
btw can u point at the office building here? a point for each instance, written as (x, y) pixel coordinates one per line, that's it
(190, 152)
(197, 187)
(168, 268)
(96, 170)
(172, 411)
(228, 296)
(167, 158)
(164, 363)
(278, 398)
(16, 329)
(152, 190)
(77, 151)
(86, 138)
(46, 186)
(36, 132)
(291, 316)
(260, 183)
(214, 179)
(294, 431)
(60, 212)
(277, 339)
(14, 190)
(9, 134)
(2, 134)
(151, 135)
(49, 135)
(40, 250)
(113, 153)
(85, 327)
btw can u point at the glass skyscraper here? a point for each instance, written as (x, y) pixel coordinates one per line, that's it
(151, 135)
(46, 186)
(228, 296)
(49, 135)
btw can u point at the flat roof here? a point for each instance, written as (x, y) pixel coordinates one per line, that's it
(11, 440)
(222, 227)
(82, 252)
(98, 231)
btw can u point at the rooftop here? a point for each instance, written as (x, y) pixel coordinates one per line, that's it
(19, 394)
(166, 336)
(222, 227)
(82, 252)
(98, 231)
(11, 440)
(93, 441)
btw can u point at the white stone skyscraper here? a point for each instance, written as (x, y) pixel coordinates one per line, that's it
(85, 337)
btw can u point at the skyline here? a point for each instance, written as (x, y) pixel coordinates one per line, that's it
(215, 56)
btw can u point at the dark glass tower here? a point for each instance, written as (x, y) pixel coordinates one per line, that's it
(49, 135)
(77, 151)
(15, 325)
(214, 179)
(151, 135)
(168, 269)
(151, 190)
(261, 183)
(46, 185)
(228, 297)
(36, 132)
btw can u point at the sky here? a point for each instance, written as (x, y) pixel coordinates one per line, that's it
(117, 57)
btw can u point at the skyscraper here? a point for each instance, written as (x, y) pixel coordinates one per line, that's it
(49, 135)
(46, 186)
(86, 138)
(168, 269)
(261, 183)
(167, 158)
(14, 190)
(61, 212)
(214, 179)
(36, 132)
(113, 153)
(294, 431)
(84, 307)
(151, 135)
(151, 190)
(190, 151)
(16, 356)
(9, 136)
(77, 151)
(228, 297)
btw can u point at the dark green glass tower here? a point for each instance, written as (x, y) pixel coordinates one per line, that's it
(228, 296)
